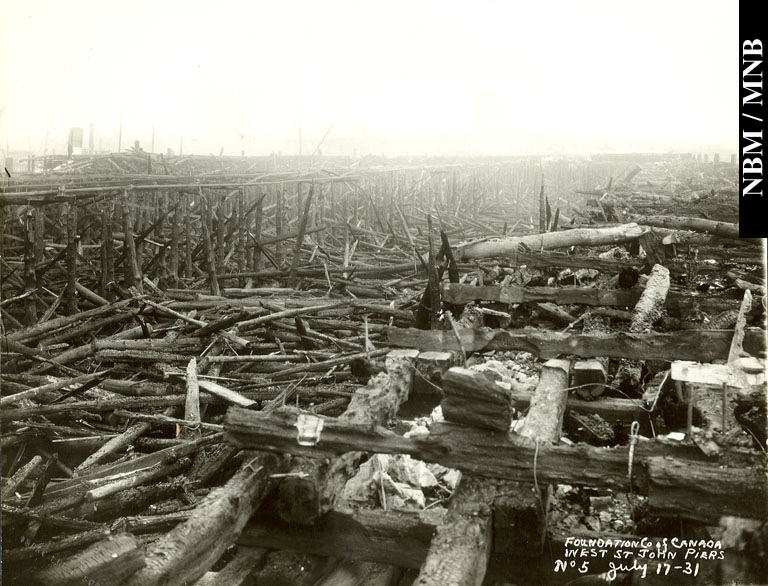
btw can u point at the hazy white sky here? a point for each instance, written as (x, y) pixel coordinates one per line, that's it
(450, 76)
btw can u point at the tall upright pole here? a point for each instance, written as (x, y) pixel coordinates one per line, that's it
(153, 139)
(120, 136)
(299, 163)
(45, 145)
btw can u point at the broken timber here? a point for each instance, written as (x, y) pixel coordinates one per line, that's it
(313, 486)
(466, 391)
(191, 548)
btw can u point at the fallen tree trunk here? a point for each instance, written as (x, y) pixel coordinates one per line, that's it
(647, 311)
(722, 229)
(550, 240)
(648, 308)
(697, 345)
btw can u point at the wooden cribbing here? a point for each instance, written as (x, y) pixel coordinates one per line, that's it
(315, 486)
(460, 549)
(397, 537)
(471, 383)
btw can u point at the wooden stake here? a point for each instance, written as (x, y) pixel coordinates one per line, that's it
(542, 209)
(192, 404)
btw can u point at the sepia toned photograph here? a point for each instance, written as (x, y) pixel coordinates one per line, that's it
(382, 293)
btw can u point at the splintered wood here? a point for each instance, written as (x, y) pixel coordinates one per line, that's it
(218, 355)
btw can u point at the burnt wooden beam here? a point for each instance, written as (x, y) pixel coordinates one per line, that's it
(703, 493)
(485, 453)
(520, 515)
(567, 261)
(677, 302)
(697, 345)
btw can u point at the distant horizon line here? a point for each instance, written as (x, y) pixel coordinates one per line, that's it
(490, 155)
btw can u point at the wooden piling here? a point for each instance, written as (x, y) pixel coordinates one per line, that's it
(107, 276)
(30, 277)
(70, 294)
